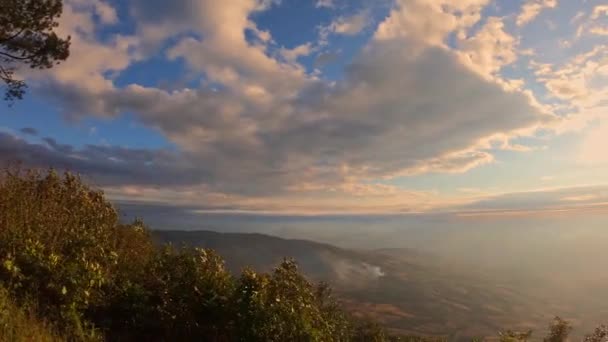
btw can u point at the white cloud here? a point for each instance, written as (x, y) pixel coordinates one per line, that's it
(578, 80)
(430, 20)
(350, 25)
(532, 9)
(409, 104)
(106, 13)
(577, 17)
(345, 25)
(325, 3)
(599, 30)
(291, 55)
(598, 11)
(537, 201)
(489, 49)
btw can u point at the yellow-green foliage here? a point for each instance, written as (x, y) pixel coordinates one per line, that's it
(62, 247)
(58, 242)
(18, 325)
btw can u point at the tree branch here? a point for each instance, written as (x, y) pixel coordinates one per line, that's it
(8, 55)
(4, 40)
(5, 75)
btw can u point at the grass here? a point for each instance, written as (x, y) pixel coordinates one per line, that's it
(20, 325)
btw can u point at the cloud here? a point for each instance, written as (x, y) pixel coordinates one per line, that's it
(258, 129)
(489, 49)
(531, 9)
(291, 55)
(349, 25)
(598, 11)
(106, 13)
(29, 131)
(325, 4)
(105, 165)
(433, 19)
(413, 97)
(580, 83)
(325, 58)
(568, 198)
(599, 30)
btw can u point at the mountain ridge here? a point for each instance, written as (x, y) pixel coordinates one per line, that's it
(407, 291)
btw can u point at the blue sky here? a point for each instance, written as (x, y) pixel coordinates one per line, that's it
(320, 106)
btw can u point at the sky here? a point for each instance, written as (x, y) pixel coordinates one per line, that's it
(311, 107)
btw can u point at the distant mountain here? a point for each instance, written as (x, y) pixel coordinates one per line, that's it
(408, 291)
(263, 252)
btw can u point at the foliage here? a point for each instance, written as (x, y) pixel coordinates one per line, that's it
(558, 331)
(62, 247)
(515, 336)
(65, 256)
(56, 242)
(369, 331)
(27, 38)
(599, 335)
(284, 306)
(179, 293)
(19, 325)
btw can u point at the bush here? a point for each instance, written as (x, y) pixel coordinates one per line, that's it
(284, 306)
(181, 293)
(56, 242)
(62, 247)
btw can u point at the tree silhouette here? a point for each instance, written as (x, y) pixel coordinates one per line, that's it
(27, 39)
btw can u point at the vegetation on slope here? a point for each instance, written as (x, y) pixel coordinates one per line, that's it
(19, 325)
(64, 252)
(65, 257)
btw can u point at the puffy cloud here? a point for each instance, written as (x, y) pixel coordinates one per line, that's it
(348, 25)
(580, 81)
(532, 9)
(598, 11)
(325, 58)
(81, 20)
(325, 3)
(599, 30)
(29, 131)
(489, 49)
(106, 13)
(430, 20)
(259, 129)
(291, 55)
(412, 98)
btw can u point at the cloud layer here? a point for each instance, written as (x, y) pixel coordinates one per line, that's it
(424, 95)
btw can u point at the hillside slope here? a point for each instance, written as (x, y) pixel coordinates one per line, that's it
(405, 290)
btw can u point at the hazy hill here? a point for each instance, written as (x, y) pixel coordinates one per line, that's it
(263, 252)
(409, 291)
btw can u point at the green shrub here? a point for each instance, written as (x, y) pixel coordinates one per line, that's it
(284, 306)
(55, 242)
(61, 245)
(181, 293)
